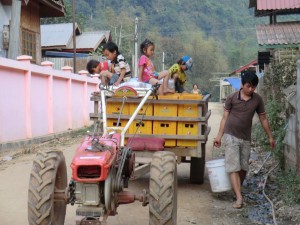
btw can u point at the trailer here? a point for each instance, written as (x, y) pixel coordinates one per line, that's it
(181, 120)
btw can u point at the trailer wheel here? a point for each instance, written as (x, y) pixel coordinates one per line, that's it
(197, 170)
(47, 185)
(163, 189)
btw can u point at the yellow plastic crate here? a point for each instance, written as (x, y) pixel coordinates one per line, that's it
(190, 96)
(145, 127)
(115, 108)
(148, 109)
(188, 110)
(169, 96)
(166, 128)
(187, 128)
(166, 109)
(113, 122)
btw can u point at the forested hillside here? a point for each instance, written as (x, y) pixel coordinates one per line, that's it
(219, 35)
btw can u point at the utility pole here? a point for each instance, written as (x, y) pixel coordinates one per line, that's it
(163, 61)
(136, 48)
(74, 36)
(14, 41)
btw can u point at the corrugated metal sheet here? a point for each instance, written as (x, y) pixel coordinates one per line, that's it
(277, 4)
(60, 35)
(57, 34)
(88, 40)
(278, 34)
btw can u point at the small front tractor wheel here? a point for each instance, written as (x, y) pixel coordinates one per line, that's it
(47, 185)
(197, 170)
(163, 189)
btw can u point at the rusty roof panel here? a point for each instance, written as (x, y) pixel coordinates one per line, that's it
(277, 4)
(278, 34)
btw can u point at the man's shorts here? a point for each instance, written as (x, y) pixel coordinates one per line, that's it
(237, 153)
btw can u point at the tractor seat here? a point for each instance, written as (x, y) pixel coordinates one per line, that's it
(146, 144)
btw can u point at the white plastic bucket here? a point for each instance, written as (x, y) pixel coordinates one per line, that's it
(218, 177)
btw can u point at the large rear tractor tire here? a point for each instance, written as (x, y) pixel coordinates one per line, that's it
(47, 185)
(163, 189)
(197, 170)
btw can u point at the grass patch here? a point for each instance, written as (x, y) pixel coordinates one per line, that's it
(289, 184)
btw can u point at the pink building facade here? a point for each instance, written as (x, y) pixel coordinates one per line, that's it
(38, 100)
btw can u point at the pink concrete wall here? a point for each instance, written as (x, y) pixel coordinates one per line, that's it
(60, 104)
(39, 104)
(38, 100)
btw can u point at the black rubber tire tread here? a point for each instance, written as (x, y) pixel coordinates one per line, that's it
(48, 173)
(197, 168)
(163, 189)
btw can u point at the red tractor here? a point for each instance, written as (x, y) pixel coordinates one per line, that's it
(101, 169)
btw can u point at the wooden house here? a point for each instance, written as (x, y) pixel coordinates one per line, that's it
(277, 39)
(20, 25)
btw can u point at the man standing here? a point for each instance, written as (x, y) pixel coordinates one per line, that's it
(236, 127)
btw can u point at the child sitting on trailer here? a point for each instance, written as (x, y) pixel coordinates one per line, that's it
(147, 73)
(177, 72)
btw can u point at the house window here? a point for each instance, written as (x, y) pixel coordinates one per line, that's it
(29, 44)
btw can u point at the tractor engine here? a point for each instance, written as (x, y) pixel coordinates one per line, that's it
(100, 170)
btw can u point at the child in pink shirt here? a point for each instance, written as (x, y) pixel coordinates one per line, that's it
(147, 73)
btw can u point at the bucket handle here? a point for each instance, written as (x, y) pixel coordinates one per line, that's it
(212, 153)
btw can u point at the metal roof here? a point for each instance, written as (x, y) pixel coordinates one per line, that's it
(277, 4)
(57, 34)
(89, 40)
(107, 35)
(278, 34)
(279, 7)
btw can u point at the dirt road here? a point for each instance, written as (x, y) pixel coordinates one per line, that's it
(196, 203)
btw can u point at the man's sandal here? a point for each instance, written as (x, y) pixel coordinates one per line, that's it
(238, 204)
